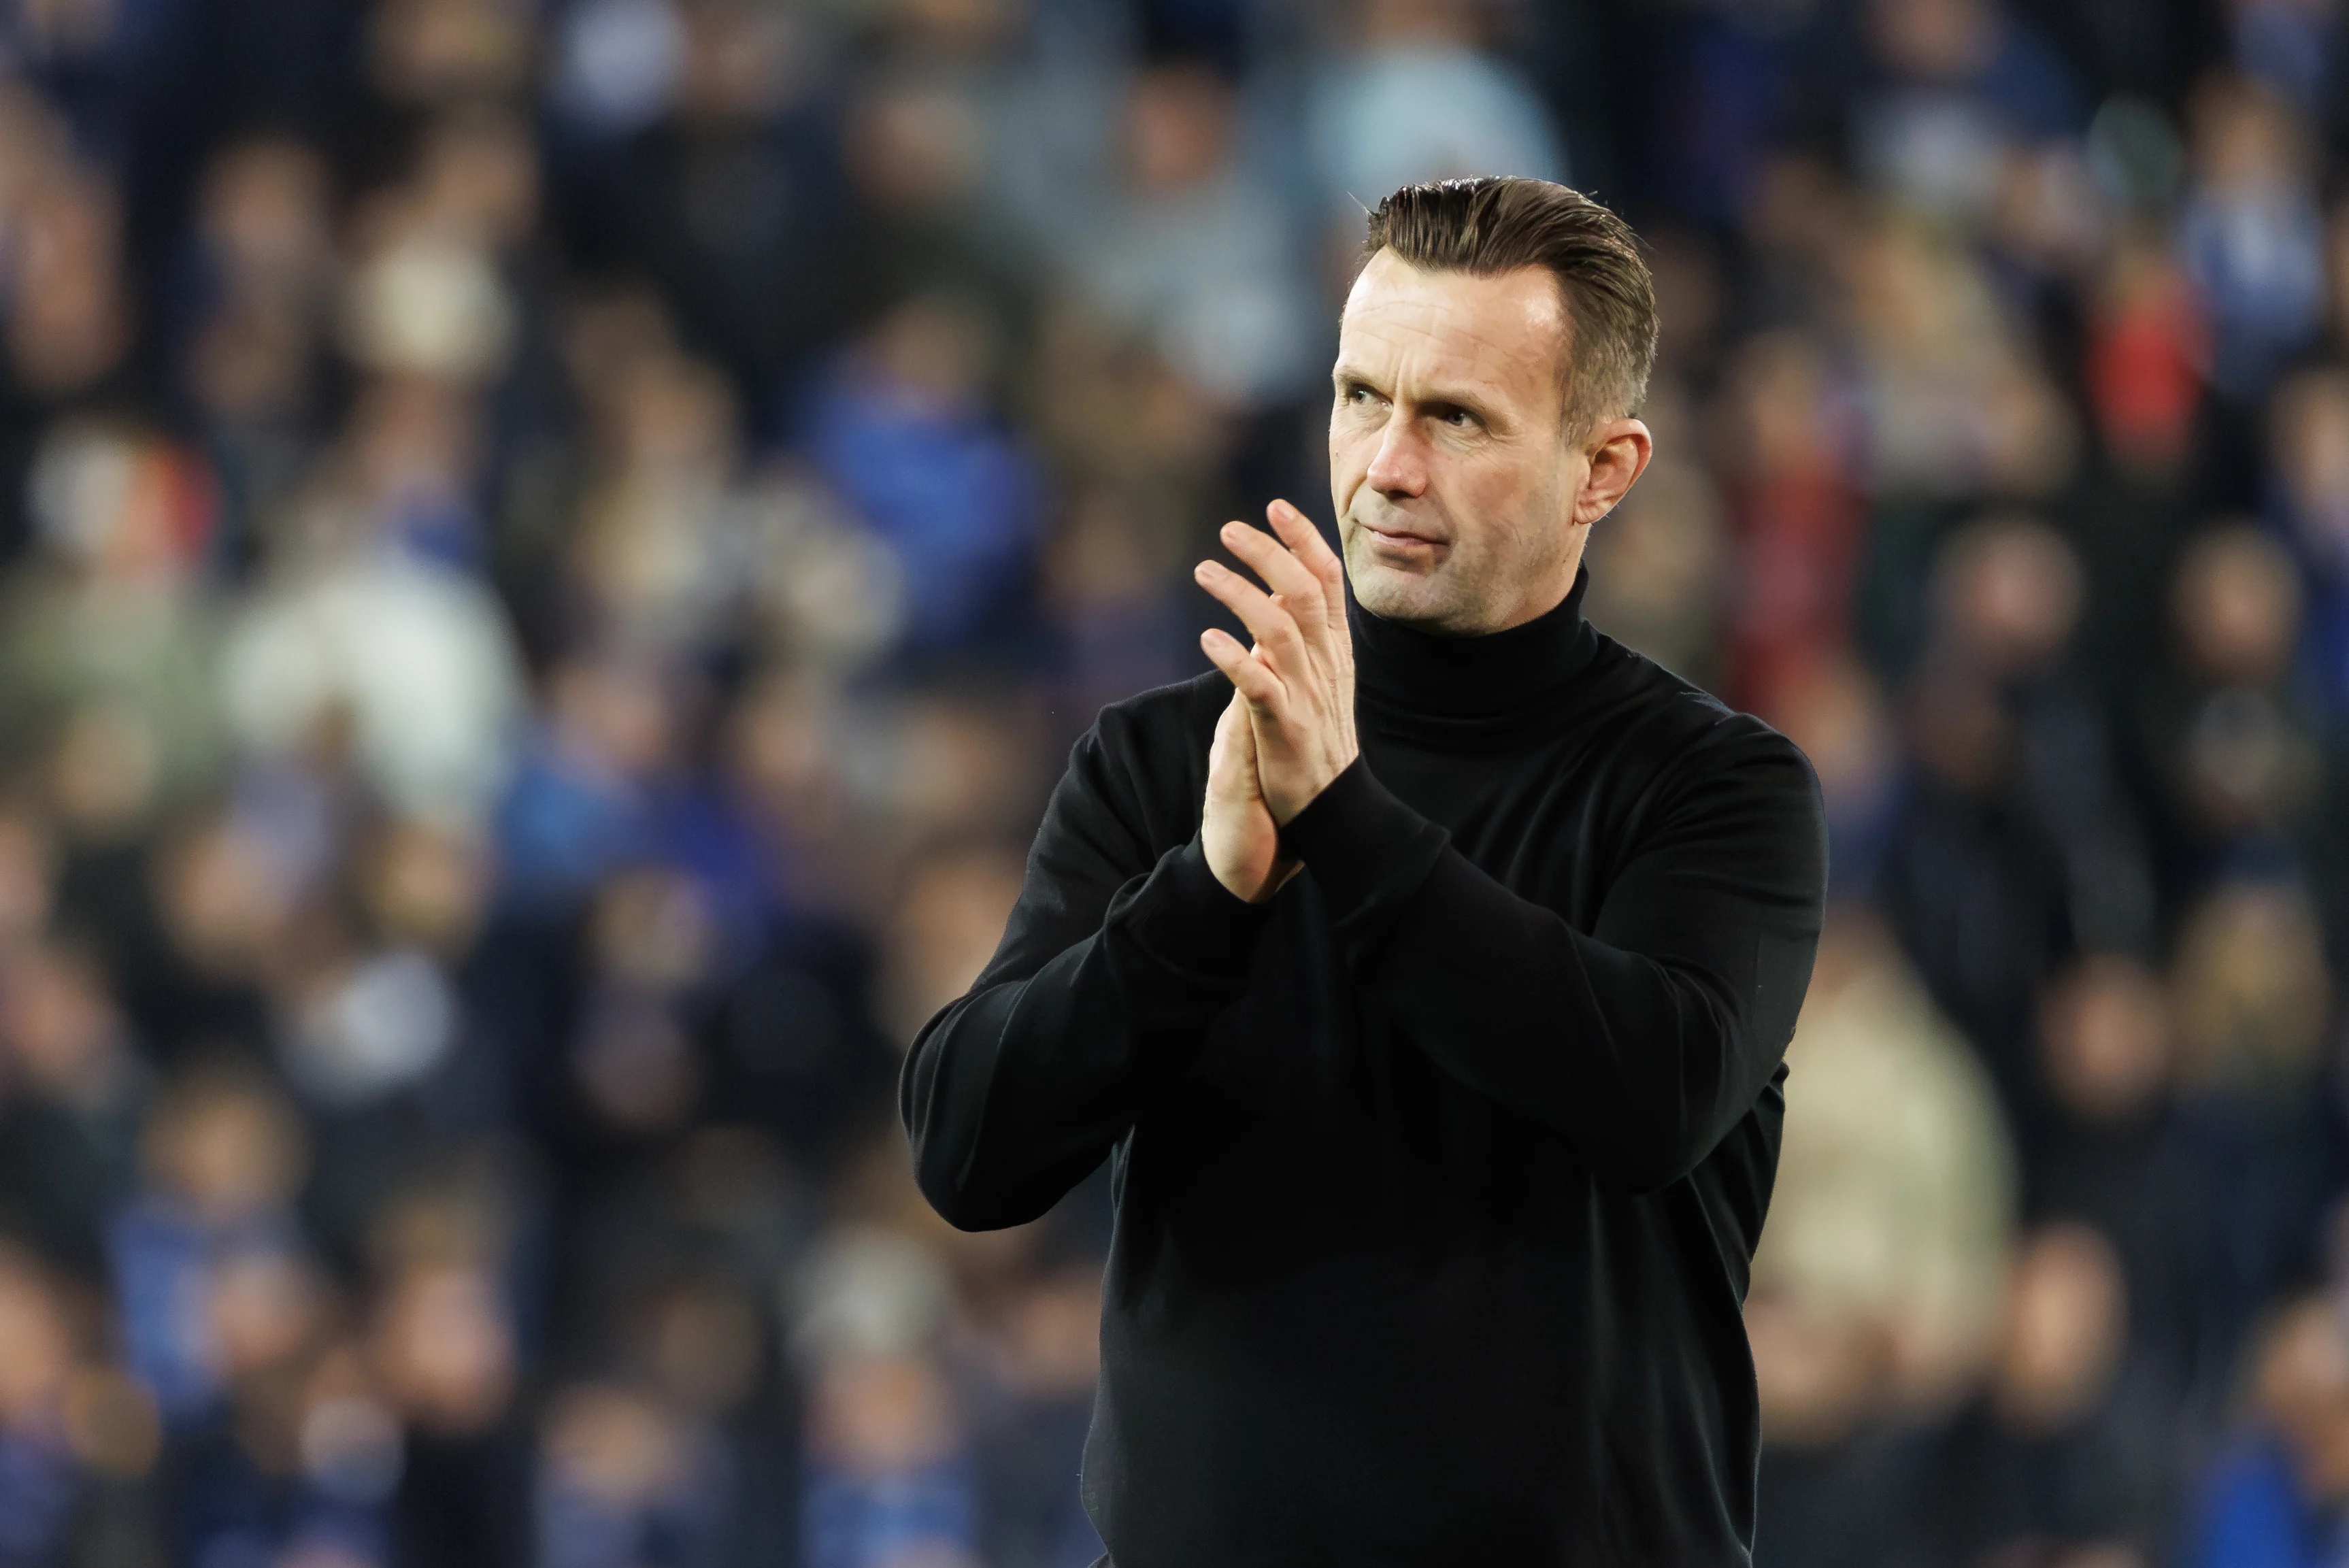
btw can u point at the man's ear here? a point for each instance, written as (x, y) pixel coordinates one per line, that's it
(1617, 451)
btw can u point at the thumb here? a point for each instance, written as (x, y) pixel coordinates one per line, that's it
(1231, 760)
(1243, 722)
(1226, 760)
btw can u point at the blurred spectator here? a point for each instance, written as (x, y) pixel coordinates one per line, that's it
(190, 951)
(45, 1451)
(261, 282)
(1895, 1183)
(1875, 1291)
(2289, 46)
(446, 1358)
(1105, 587)
(2149, 351)
(1957, 407)
(650, 552)
(2336, 277)
(1414, 99)
(1799, 517)
(1838, 1481)
(1837, 715)
(634, 1067)
(2253, 1003)
(583, 801)
(2241, 756)
(371, 1027)
(705, 168)
(1036, 1402)
(69, 328)
(224, 1158)
(902, 430)
(1744, 72)
(2125, 1165)
(2312, 438)
(945, 927)
(2053, 1459)
(69, 1129)
(2274, 1500)
(110, 621)
(405, 669)
(2013, 846)
(890, 1476)
(1660, 570)
(1198, 256)
(2008, 599)
(1964, 88)
(621, 1482)
(550, 553)
(2251, 234)
(423, 52)
(307, 1460)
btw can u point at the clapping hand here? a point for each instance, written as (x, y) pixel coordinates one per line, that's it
(1290, 729)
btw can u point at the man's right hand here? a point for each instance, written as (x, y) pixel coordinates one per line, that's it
(1236, 829)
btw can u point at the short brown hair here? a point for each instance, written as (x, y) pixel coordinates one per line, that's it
(1496, 224)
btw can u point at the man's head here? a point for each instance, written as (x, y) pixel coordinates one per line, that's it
(1490, 358)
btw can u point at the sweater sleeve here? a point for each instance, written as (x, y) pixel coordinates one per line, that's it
(1111, 966)
(1644, 1040)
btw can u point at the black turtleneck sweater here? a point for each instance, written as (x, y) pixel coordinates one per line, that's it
(1437, 1176)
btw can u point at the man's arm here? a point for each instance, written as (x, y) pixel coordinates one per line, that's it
(1110, 967)
(1643, 1041)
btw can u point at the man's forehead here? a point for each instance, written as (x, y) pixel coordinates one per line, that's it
(1506, 328)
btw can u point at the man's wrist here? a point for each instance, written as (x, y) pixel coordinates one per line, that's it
(1235, 883)
(1192, 914)
(1282, 821)
(1360, 842)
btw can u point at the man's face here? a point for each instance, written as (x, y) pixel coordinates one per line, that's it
(1456, 485)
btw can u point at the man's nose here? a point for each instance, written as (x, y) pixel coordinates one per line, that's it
(1399, 468)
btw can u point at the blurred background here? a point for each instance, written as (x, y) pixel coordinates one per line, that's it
(553, 548)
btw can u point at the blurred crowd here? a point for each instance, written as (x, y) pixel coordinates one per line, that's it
(551, 550)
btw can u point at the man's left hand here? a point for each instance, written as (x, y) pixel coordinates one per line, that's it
(1299, 679)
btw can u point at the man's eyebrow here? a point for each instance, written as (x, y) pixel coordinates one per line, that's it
(1442, 397)
(1474, 403)
(1431, 397)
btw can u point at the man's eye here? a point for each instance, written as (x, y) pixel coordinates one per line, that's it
(1459, 418)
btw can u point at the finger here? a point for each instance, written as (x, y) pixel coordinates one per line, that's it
(1282, 571)
(1272, 626)
(1306, 544)
(1251, 678)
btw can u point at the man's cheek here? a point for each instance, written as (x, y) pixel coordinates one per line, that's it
(1348, 461)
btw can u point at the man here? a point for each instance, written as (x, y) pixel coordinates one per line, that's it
(1425, 973)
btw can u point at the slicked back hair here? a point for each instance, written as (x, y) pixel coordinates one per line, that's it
(1496, 224)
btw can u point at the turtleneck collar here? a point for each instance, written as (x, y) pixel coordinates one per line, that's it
(1469, 691)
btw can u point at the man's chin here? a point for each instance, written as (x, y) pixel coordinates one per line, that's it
(1393, 594)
